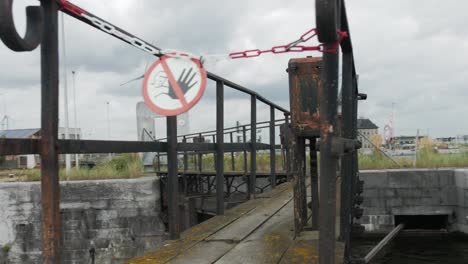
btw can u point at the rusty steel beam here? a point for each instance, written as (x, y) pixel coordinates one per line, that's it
(50, 188)
(105, 146)
(13, 146)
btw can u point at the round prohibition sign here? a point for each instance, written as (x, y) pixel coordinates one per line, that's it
(173, 85)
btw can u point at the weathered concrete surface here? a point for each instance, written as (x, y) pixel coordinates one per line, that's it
(415, 192)
(118, 218)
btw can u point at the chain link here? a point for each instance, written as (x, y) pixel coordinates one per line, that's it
(291, 47)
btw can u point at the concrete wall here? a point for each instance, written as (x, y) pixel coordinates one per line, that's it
(415, 192)
(119, 218)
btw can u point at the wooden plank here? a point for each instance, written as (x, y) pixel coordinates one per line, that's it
(268, 243)
(306, 251)
(194, 235)
(244, 226)
(205, 252)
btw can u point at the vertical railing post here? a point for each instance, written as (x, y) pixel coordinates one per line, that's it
(200, 157)
(288, 147)
(328, 161)
(219, 148)
(246, 169)
(185, 156)
(172, 178)
(50, 188)
(184, 176)
(233, 161)
(272, 148)
(253, 148)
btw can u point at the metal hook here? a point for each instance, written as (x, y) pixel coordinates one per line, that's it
(34, 28)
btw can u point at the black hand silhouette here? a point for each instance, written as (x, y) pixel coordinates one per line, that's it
(184, 82)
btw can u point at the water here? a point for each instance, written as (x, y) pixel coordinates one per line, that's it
(420, 249)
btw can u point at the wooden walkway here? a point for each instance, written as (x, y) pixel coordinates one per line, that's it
(257, 231)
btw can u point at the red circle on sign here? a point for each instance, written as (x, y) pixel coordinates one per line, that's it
(185, 105)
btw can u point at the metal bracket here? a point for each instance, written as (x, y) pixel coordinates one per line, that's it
(34, 28)
(340, 146)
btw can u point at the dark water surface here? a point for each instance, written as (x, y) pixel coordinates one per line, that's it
(417, 249)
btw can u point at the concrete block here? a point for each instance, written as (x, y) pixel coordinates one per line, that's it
(461, 178)
(394, 202)
(105, 215)
(374, 192)
(449, 196)
(119, 204)
(403, 179)
(446, 177)
(128, 212)
(422, 210)
(377, 178)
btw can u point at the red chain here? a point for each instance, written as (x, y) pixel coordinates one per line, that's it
(65, 5)
(292, 47)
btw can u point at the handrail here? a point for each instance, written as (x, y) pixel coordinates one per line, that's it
(209, 132)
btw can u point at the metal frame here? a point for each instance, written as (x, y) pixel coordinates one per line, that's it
(42, 28)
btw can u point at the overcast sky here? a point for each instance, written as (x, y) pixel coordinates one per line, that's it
(408, 53)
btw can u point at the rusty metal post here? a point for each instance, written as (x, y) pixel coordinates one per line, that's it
(347, 177)
(172, 178)
(300, 197)
(220, 148)
(253, 149)
(272, 148)
(328, 160)
(50, 188)
(314, 182)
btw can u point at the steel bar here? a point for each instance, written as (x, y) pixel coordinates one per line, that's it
(219, 148)
(103, 146)
(202, 147)
(238, 87)
(314, 182)
(173, 181)
(13, 146)
(50, 188)
(253, 149)
(272, 148)
(347, 173)
(389, 237)
(328, 161)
